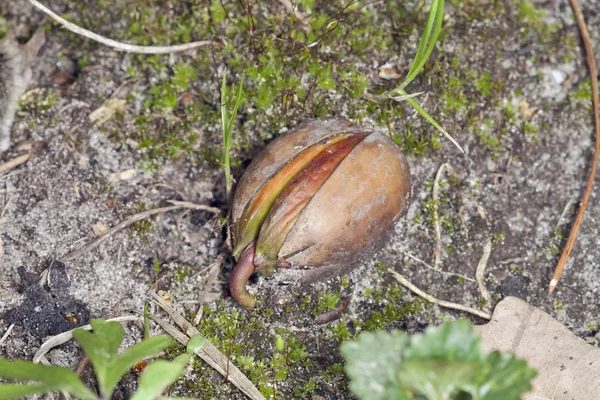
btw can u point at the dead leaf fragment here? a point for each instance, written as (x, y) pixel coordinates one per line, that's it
(111, 202)
(186, 98)
(123, 175)
(166, 296)
(568, 368)
(107, 110)
(526, 111)
(390, 71)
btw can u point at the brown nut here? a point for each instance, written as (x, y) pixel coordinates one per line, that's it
(316, 200)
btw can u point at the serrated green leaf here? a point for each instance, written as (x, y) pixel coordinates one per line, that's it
(451, 341)
(503, 377)
(372, 363)
(436, 380)
(101, 346)
(51, 378)
(158, 376)
(444, 362)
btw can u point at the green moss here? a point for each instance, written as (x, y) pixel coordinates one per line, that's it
(531, 128)
(181, 273)
(583, 93)
(327, 301)
(141, 229)
(529, 13)
(533, 18)
(555, 242)
(337, 331)
(484, 84)
(3, 25)
(557, 305)
(393, 308)
(40, 100)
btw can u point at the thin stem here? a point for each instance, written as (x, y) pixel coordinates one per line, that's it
(131, 48)
(590, 182)
(239, 277)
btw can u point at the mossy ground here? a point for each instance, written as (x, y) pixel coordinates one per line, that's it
(491, 83)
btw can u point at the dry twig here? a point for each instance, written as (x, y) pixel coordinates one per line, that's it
(407, 254)
(590, 182)
(517, 260)
(5, 208)
(208, 352)
(448, 304)
(130, 48)
(487, 249)
(214, 272)
(7, 334)
(68, 335)
(15, 162)
(177, 205)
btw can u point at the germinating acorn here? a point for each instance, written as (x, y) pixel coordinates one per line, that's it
(315, 201)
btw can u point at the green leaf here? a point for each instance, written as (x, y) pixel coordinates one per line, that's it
(372, 363)
(52, 378)
(436, 380)
(425, 42)
(139, 352)
(227, 120)
(226, 131)
(195, 343)
(158, 376)
(101, 347)
(279, 343)
(430, 119)
(16, 391)
(451, 341)
(444, 362)
(504, 377)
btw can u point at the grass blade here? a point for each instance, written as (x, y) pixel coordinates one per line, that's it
(439, 18)
(226, 132)
(430, 119)
(423, 50)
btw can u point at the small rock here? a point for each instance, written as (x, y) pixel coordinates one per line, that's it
(99, 228)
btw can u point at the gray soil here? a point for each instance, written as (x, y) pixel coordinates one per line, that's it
(521, 191)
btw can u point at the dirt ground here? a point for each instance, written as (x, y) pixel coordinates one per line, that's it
(508, 81)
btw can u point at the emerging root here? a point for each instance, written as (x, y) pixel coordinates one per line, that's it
(239, 277)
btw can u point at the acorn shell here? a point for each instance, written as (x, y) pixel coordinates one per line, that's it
(349, 215)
